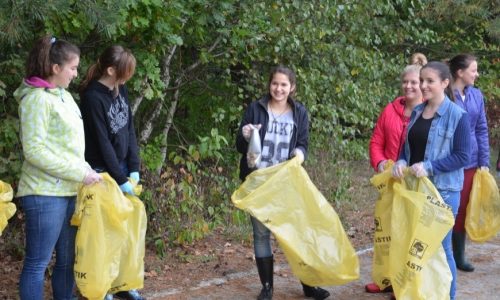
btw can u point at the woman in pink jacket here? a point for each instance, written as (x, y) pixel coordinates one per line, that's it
(390, 131)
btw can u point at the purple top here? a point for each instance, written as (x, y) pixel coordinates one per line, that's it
(479, 143)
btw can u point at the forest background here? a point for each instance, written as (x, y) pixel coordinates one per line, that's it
(201, 62)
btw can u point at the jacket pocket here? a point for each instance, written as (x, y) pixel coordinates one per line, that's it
(443, 133)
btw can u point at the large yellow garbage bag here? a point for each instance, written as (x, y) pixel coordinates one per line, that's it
(131, 274)
(7, 208)
(307, 228)
(106, 220)
(420, 221)
(482, 221)
(382, 236)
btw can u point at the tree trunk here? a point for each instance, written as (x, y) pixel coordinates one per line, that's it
(167, 126)
(139, 99)
(149, 124)
(175, 101)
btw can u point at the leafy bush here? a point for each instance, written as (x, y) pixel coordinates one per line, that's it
(201, 62)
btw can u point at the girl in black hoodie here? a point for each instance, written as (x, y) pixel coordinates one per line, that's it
(110, 141)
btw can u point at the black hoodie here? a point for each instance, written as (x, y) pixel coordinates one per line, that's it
(109, 131)
(256, 113)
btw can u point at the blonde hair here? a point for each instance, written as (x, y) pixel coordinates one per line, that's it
(418, 58)
(417, 61)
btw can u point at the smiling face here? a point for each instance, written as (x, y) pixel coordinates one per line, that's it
(65, 73)
(431, 84)
(280, 88)
(468, 75)
(410, 84)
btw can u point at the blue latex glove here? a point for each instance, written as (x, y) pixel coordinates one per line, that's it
(134, 176)
(127, 188)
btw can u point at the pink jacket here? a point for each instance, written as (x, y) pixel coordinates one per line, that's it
(389, 133)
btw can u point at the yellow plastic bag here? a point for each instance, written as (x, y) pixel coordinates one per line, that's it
(108, 223)
(482, 221)
(131, 274)
(382, 236)
(307, 228)
(420, 221)
(7, 208)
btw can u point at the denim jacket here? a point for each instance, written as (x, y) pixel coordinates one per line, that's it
(440, 146)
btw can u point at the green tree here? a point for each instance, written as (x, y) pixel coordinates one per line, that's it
(201, 62)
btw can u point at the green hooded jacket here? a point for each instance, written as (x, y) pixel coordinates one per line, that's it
(53, 142)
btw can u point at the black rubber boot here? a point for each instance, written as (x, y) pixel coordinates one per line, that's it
(129, 295)
(458, 242)
(265, 268)
(315, 292)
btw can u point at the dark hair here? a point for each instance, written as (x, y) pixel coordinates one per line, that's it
(460, 62)
(288, 72)
(444, 73)
(47, 52)
(114, 56)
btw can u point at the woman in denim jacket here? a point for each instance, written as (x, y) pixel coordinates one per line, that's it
(463, 68)
(437, 144)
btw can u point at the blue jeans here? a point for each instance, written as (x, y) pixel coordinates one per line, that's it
(261, 239)
(47, 220)
(453, 200)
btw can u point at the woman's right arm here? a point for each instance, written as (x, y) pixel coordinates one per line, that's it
(377, 142)
(241, 142)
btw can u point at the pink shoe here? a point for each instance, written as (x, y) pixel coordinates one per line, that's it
(374, 289)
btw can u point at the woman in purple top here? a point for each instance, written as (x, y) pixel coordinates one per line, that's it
(463, 68)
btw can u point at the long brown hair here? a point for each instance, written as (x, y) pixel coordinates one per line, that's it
(114, 56)
(46, 52)
(460, 62)
(444, 73)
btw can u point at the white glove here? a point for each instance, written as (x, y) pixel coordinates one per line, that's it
(398, 168)
(484, 168)
(92, 177)
(246, 130)
(299, 154)
(419, 170)
(381, 165)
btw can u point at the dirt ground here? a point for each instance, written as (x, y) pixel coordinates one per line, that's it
(481, 284)
(231, 274)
